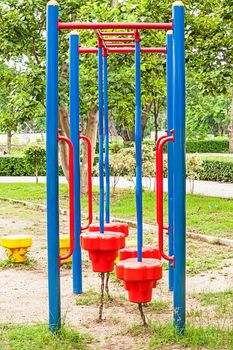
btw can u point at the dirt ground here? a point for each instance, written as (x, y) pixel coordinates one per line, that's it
(24, 294)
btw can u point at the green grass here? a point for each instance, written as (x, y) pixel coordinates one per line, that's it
(91, 297)
(4, 264)
(38, 337)
(195, 338)
(201, 258)
(222, 302)
(158, 306)
(206, 215)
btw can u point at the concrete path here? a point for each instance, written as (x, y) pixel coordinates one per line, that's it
(208, 188)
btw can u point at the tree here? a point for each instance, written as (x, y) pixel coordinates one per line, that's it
(22, 40)
(18, 104)
(210, 48)
(206, 114)
(35, 157)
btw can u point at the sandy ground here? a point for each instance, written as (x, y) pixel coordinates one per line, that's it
(24, 294)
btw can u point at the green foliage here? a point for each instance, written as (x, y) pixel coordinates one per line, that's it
(205, 114)
(193, 168)
(207, 146)
(39, 337)
(123, 163)
(216, 171)
(115, 147)
(209, 44)
(19, 166)
(13, 166)
(35, 157)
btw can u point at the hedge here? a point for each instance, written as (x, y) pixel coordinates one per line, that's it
(16, 166)
(200, 146)
(215, 170)
(207, 146)
(13, 166)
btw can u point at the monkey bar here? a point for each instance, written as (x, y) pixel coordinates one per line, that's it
(134, 26)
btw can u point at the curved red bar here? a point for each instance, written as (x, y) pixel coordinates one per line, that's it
(71, 195)
(159, 189)
(89, 166)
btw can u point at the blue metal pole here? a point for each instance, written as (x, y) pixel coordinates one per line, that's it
(101, 145)
(52, 166)
(138, 146)
(179, 166)
(74, 136)
(170, 155)
(107, 173)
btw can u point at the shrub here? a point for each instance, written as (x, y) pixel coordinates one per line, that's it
(207, 146)
(16, 166)
(35, 158)
(115, 147)
(215, 170)
(123, 163)
(193, 168)
(12, 166)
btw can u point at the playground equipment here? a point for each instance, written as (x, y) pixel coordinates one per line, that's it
(140, 274)
(16, 247)
(64, 244)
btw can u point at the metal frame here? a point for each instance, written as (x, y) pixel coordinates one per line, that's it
(176, 120)
(170, 153)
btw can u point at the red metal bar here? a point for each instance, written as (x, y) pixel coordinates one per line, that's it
(125, 50)
(88, 50)
(118, 39)
(71, 195)
(89, 25)
(159, 189)
(117, 33)
(120, 45)
(154, 49)
(101, 42)
(89, 172)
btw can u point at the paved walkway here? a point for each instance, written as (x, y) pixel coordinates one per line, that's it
(208, 188)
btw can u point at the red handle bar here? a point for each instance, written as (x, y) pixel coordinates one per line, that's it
(71, 195)
(159, 189)
(90, 214)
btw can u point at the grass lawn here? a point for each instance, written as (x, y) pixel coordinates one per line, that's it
(206, 215)
(194, 338)
(38, 337)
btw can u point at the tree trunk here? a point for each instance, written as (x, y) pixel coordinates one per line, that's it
(230, 129)
(125, 135)
(112, 128)
(91, 133)
(36, 172)
(145, 112)
(156, 115)
(8, 142)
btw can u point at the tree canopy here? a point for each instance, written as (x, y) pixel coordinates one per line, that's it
(209, 47)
